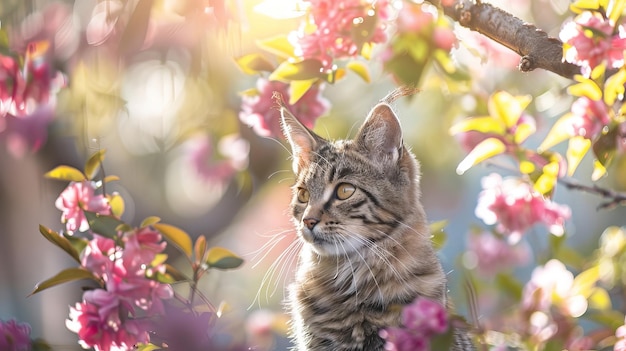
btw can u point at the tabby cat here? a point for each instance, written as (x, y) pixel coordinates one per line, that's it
(367, 248)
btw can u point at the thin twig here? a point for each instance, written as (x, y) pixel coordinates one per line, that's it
(615, 198)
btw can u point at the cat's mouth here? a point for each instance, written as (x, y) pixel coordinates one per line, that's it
(328, 245)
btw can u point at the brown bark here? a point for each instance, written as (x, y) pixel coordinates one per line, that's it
(536, 48)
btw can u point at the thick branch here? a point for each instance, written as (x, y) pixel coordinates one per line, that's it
(536, 48)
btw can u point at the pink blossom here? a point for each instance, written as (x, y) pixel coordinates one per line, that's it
(412, 19)
(515, 206)
(199, 152)
(620, 334)
(104, 322)
(490, 254)
(425, 315)
(28, 132)
(261, 113)
(79, 197)
(99, 255)
(553, 285)
(341, 29)
(11, 82)
(14, 336)
(593, 40)
(421, 320)
(588, 117)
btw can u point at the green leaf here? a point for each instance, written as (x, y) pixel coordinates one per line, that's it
(254, 63)
(486, 124)
(576, 150)
(605, 146)
(66, 275)
(110, 178)
(278, 45)
(437, 234)
(176, 236)
(150, 221)
(221, 258)
(611, 318)
(600, 299)
(585, 282)
(105, 225)
(485, 149)
(177, 275)
(360, 69)
(60, 241)
(92, 166)
(302, 70)
(66, 173)
(617, 10)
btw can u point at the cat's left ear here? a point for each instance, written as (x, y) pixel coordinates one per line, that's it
(381, 134)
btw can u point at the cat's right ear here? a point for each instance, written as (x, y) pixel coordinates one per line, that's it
(301, 139)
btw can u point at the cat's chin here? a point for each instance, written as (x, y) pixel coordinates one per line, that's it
(324, 247)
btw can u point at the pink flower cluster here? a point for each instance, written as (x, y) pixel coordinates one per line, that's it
(14, 336)
(79, 197)
(421, 320)
(489, 254)
(199, 152)
(25, 109)
(591, 39)
(262, 114)
(412, 20)
(588, 118)
(107, 319)
(341, 29)
(515, 206)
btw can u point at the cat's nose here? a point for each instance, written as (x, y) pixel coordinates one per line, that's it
(310, 222)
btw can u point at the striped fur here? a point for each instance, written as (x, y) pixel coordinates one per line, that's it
(368, 254)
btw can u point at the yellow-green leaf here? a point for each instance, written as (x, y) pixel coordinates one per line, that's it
(103, 224)
(507, 108)
(66, 275)
(585, 282)
(548, 178)
(92, 166)
(176, 236)
(600, 299)
(360, 69)
(598, 170)
(117, 204)
(150, 221)
(254, 63)
(616, 10)
(583, 5)
(585, 87)
(576, 150)
(199, 248)
(437, 234)
(486, 124)
(523, 131)
(221, 258)
(485, 149)
(110, 178)
(302, 70)
(66, 173)
(560, 132)
(614, 87)
(297, 89)
(60, 241)
(147, 347)
(278, 45)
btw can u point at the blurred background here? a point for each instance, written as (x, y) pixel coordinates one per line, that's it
(162, 94)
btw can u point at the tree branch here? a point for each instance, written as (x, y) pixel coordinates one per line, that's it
(536, 48)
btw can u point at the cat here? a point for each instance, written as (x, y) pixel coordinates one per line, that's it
(366, 242)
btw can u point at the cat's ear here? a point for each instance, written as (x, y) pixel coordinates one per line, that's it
(302, 140)
(381, 134)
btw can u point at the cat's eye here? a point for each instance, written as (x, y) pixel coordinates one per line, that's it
(303, 195)
(345, 190)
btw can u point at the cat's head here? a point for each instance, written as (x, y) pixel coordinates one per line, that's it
(350, 194)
